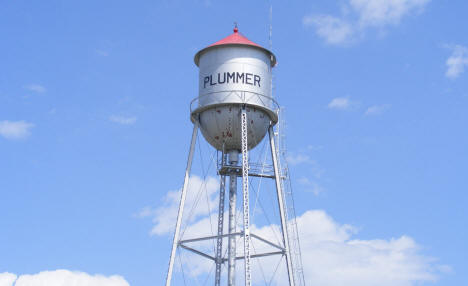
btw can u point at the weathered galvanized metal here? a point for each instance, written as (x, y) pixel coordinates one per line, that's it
(234, 73)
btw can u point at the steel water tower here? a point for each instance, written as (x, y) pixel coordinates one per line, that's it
(234, 111)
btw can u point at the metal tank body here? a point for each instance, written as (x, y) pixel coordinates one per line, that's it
(234, 73)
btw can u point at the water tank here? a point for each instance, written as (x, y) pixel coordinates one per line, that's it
(234, 73)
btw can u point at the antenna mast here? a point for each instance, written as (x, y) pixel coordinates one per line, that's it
(270, 40)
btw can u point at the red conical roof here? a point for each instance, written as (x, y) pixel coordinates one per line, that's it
(235, 39)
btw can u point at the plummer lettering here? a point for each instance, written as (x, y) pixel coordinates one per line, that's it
(231, 77)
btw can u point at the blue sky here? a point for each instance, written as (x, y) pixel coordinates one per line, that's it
(95, 129)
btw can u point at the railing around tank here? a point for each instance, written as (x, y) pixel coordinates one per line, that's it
(255, 169)
(267, 103)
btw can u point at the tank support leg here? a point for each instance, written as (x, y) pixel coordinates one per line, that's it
(219, 239)
(245, 191)
(279, 195)
(183, 196)
(233, 159)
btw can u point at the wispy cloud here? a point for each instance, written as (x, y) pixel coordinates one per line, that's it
(311, 186)
(360, 15)
(15, 129)
(340, 103)
(165, 215)
(61, 277)
(300, 158)
(102, 53)
(35, 88)
(123, 120)
(457, 61)
(297, 159)
(332, 29)
(378, 13)
(377, 109)
(314, 147)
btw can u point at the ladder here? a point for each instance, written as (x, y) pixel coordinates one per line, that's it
(291, 226)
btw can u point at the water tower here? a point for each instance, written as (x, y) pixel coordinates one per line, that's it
(234, 111)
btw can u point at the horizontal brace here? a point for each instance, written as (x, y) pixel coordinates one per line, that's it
(259, 255)
(251, 174)
(237, 258)
(261, 175)
(267, 242)
(207, 237)
(197, 252)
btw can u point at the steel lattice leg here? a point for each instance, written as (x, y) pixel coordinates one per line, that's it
(219, 239)
(279, 194)
(233, 159)
(245, 191)
(183, 195)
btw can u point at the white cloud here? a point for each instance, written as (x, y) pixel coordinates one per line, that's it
(201, 197)
(294, 159)
(456, 62)
(385, 12)
(297, 159)
(331, 256)
(314, 147)
(123, 120)
(199, 219)
(377, 109)
(15, 129)
(333, 30)
(7, 279)
(36, 88)
(102, 53)
(340, 103)
(331, 252)
(312, 186)
(61, 278)
(359, 15)
(312, 167)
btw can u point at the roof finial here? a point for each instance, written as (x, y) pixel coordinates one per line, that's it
(235, 27)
